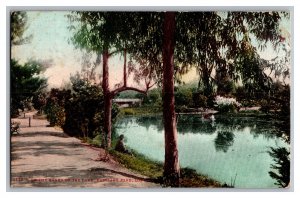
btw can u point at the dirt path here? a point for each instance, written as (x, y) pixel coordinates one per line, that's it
(44, 156)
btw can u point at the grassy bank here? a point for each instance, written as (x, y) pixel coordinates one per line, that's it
(154, 170)
(144, 110)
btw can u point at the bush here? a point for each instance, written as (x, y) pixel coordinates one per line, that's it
(55, 115)
(199, 100)
(183, 96)
(39, 102)
(128, 111)
(55, 106)
(265, 106)
(84, 112)
(153, 97)
(225, 105)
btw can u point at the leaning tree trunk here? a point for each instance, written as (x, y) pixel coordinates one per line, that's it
(109, 95)
(106, 142)
(171, 165)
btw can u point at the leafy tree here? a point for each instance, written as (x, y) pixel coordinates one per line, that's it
(105, 33)
(25, 83)
(84, 110)
(169, 44)
(222, 42)
(18, 22)
(39, 102)
(281, 173)
(153, 97)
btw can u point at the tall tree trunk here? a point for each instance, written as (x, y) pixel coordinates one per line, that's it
(171, 166)
(205, 79)
(107, 102)
(125, 69)
(107, 121)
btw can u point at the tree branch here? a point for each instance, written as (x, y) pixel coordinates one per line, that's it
(113, 52)
(124, 88)
(150, 86)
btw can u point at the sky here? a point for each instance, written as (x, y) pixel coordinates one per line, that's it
(50, 43)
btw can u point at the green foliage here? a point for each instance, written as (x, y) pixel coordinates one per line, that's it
(96, 141)
(281, 173)
(154, 170)
(39, 101)
(25, 83)
(139, 163)
(199, 100)
(219, 41)
(18, 26)
(128, 111)
(226, 108)
(55, 106)
(153, 97)
(84, 110)
(190, 178)
(265, 106)
(183, 96)
(129, 94)
(144, 110)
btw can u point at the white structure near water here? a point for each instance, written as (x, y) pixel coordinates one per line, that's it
(127, 102)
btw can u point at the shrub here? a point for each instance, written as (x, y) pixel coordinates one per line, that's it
(55, 115)
(55, 106)
(84, 112)
(226, 104)
(128, 111)
(265, 106)
(183, 96)
(199, 100)
(39, 102)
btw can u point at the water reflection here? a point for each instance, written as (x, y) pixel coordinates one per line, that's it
(223, 149)
(150, 121)
(224, 140)
(194, 124)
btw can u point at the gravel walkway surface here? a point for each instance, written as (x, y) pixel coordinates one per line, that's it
(44, 156)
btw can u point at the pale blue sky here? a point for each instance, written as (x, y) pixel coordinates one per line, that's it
(50, 42)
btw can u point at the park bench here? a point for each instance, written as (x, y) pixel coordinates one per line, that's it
(14, 127)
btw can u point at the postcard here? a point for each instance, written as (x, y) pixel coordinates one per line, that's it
(156, 99)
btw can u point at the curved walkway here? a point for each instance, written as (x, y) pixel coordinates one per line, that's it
(44, 156)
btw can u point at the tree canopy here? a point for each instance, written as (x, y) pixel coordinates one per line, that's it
(170, 43)
(25, 83)
(18, 26)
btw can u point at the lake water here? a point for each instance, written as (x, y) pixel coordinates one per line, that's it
(231, 150)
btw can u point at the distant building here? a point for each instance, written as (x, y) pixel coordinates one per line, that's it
(128, 102)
